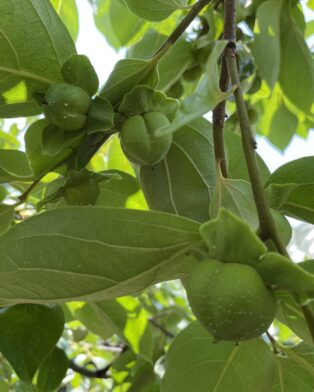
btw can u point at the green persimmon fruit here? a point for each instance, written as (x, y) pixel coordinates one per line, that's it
(83, 194)
(230, 300)
(193, 74)
(66, 106)
(78, 70)
(138, 139)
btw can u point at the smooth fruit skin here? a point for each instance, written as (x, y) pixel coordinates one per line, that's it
(66, 106)
(230, 300)
(138, 139)
(83, 194)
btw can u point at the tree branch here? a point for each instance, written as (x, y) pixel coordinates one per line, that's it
(99, 373)
(219, 112)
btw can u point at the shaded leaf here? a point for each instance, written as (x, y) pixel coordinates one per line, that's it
(14, 166)
(52, 371)
(28, 334)
(6, 217)
(153, 10)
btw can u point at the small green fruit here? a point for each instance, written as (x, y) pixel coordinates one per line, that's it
(66, 106)
(138, 139)
(82, 194)
(230, 300)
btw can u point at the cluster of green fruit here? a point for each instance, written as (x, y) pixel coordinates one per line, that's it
(66, 105)
(230, 300)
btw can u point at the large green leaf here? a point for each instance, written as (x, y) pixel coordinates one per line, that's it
(86, 253)
(194, 363)
(183, 181)
(27, 335)
(68, 12)
(266, 44)
(29, 65)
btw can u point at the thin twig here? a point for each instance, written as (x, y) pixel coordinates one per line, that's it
(161, 328)
(182, 26)
(273, 342)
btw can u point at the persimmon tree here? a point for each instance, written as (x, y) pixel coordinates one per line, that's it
(143, 238)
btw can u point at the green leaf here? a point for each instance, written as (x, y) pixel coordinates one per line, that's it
(295, 56)
(93, 253)
(282, 274)
(290, 313)
(182, 182)
(100, 116)
(6, 217)
(266, 44)
(93, 321)
(194, 363)
(146, 48)
(55, 140)
(30, 65)
(127, 74)
(14, 167)
(28, 334)
(172, 66)
(277, 122)
(230, 239)
(153, 10)
(295, 371)
(116, 192)
(67, 10)
(52, 371)
(298, 171)
(235, 196)
(206, 96)
(296, 192)
(41, 164)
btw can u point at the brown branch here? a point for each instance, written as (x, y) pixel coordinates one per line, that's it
(219, 112)
(99, 373)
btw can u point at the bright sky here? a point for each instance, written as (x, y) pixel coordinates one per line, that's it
(103, 57)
